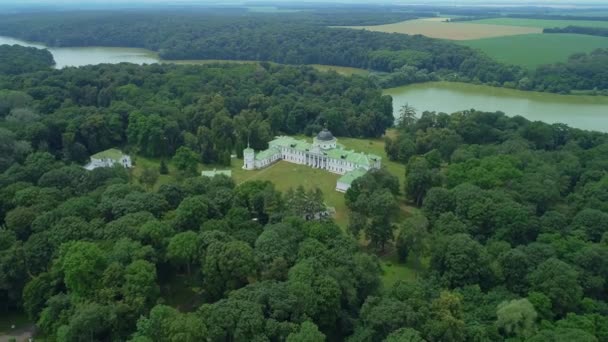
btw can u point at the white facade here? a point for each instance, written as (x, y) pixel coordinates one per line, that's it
(323, 153)
(249, 159)
(124, 161)
(342, 187)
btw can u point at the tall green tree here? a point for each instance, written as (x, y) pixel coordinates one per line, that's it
(186, 160)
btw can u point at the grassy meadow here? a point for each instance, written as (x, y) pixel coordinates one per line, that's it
(533, 50)
(453, 31)
(542, 23)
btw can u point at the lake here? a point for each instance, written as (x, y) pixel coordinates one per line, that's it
(585, 112)
(79, 56)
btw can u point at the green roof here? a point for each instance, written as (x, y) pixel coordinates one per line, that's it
(214, 173)
(113, 153)
(267, 153)
(350, 177)
(248, 150)
(358, 158)
(284, 141)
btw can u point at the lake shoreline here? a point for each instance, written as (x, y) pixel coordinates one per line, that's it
(579, 111)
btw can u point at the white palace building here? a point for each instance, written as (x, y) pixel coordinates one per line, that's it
(324, 153)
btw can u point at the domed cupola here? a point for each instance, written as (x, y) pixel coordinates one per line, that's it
(325, 135)
(325, 140)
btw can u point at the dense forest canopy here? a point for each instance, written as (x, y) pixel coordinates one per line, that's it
(593, 31)
(17, 59)
(581, 71)
(509, 242)
(214, 110)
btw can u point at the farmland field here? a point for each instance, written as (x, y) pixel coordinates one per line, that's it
(452, 31)
(536, 49)
(541, 23)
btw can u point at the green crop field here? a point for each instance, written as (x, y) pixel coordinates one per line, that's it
(536, 49)
(542, 23)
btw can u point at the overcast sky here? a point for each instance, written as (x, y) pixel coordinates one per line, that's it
(236, 2)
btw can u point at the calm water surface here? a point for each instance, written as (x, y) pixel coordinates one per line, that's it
(585, 112)
(79, 56)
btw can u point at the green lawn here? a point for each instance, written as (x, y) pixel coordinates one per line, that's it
(533, 50)
(542, 23)
(286, 175)
(393, 270)
(140, 163)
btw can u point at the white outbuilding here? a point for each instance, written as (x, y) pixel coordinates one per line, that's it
(109, 158)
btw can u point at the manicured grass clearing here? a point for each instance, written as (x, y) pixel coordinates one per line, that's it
(286, 175)
(453, 31)
(533, 50)
(542, 23)
(393, 270)
(140, 163)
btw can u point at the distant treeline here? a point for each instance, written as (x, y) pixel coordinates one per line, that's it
(581, 72)
(529, 16)
(592, 31)
(289, 39)
(557, 17)
(302, 38)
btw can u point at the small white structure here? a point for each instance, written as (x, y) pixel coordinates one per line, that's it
(347, 180)
(216, 172)
(109, 158)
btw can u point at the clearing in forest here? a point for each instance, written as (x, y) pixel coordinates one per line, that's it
(533, 50)
(446, 30)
